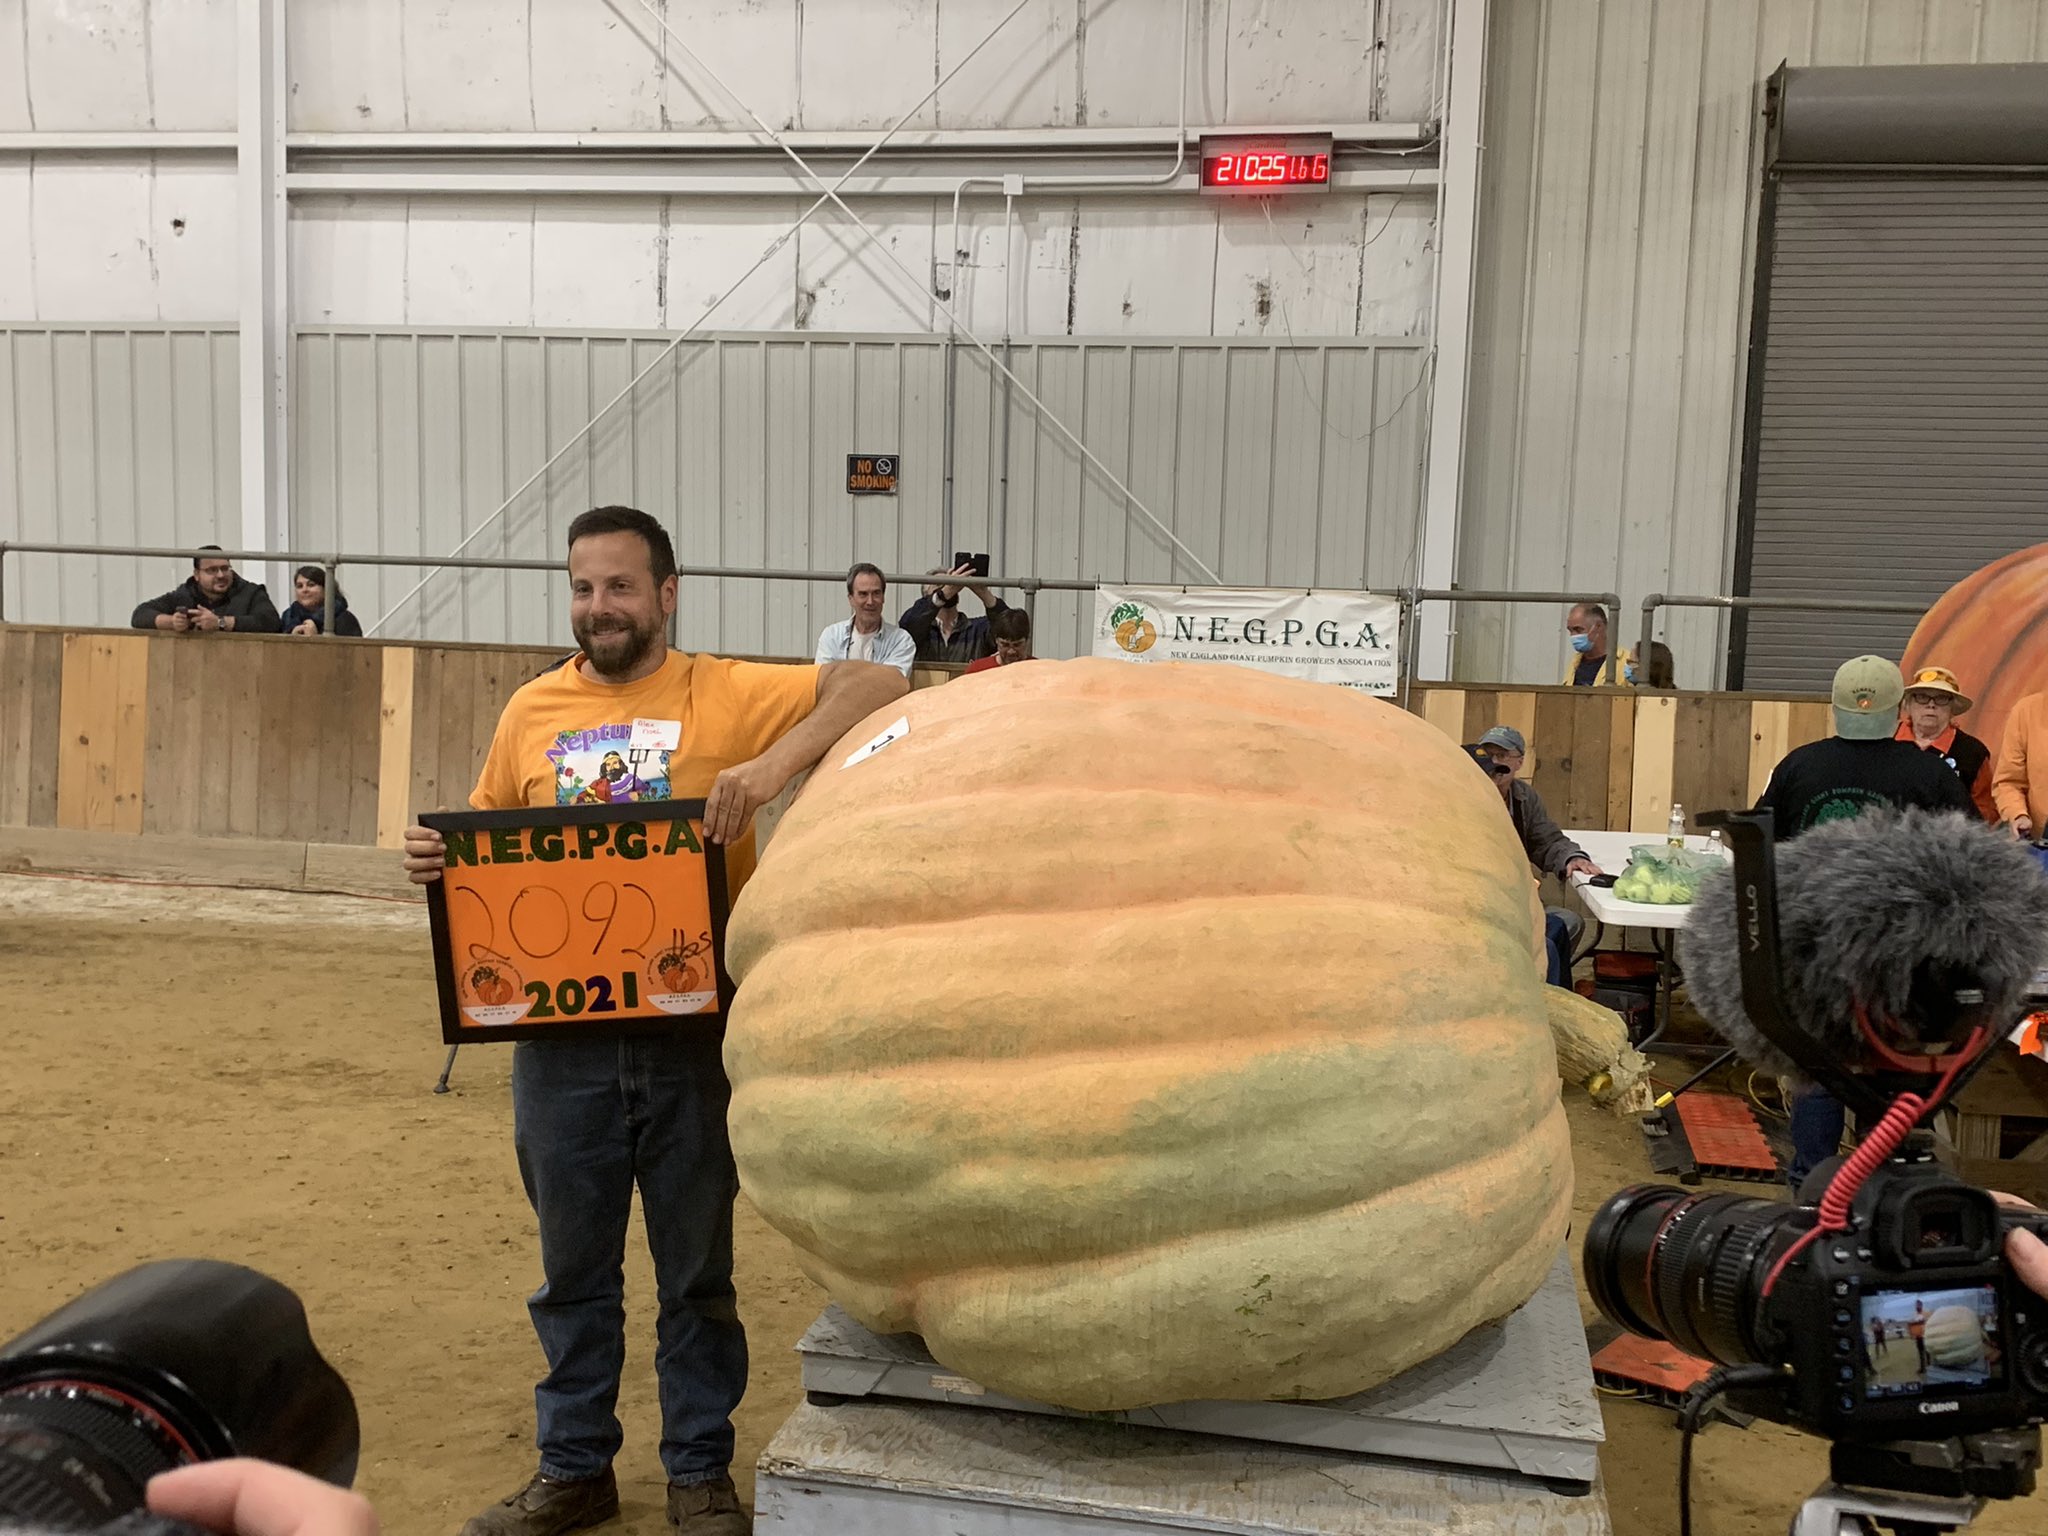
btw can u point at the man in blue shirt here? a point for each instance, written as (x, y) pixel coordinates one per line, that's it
(866, 636)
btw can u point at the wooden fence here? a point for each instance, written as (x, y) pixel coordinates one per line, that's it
(340, 741)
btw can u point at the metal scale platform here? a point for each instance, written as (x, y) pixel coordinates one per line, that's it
(1497, 1437)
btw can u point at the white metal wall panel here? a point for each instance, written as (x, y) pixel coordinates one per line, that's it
(578, 65)
(1263, 458)
(112, 436)
(1619, 208)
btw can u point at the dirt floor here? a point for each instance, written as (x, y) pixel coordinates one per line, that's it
(246, 1075)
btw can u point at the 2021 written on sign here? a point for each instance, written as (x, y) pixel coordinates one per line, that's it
(554, 922)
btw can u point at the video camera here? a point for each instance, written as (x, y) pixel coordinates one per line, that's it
(171, 1363)
(1879, 1311)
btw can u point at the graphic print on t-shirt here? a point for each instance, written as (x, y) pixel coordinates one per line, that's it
(601, 767)
(1840, 805)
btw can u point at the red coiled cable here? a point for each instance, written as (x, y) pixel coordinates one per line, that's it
(1884, 1139)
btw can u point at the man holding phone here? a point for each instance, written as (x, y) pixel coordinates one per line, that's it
(215, 599)
(936, 624)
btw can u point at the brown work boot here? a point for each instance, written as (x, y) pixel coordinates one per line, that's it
(707, 1509)
(545, 1507)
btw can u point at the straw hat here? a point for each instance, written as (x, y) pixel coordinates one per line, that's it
(1938, 680)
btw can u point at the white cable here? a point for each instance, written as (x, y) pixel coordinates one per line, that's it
(923, 291)
(830, 194)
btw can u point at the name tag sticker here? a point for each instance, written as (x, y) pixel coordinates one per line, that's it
(656, 736)
(895, 732)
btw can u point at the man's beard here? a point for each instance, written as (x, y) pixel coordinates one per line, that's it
(619, 647)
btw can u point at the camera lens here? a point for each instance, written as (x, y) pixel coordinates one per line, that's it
(186, 1360)
(74, 1455)
(1686, 1268)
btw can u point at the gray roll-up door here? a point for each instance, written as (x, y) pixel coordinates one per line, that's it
(1898, 428)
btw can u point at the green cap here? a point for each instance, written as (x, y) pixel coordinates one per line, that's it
(1867, 694)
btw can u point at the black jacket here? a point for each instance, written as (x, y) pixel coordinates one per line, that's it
(246, 602)
(345, 623)
(970, 642)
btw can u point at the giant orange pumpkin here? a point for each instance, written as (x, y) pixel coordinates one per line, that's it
(1145, 1033)
(1991, 630)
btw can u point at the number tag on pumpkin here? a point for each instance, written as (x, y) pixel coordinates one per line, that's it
(899, 729)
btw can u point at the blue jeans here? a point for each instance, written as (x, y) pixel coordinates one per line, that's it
(1559, 935)
(590, 1119)
(1817, 1121)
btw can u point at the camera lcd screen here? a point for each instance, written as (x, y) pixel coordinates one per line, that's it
(1917, 1342)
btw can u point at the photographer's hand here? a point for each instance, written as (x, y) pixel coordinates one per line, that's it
(2028, 1256)
(259, 1498)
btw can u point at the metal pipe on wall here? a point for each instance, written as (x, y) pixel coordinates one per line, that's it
(1002, 529)
(946, 449)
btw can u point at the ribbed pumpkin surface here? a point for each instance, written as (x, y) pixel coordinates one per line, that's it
(1991, 630)
(1144, 1033)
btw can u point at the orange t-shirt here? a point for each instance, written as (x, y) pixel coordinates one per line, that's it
(564, 738)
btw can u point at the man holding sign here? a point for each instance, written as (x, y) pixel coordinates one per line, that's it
(629, 719)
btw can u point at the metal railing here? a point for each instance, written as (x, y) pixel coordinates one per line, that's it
(1658, 600)
(1414, 597)
(329, 563)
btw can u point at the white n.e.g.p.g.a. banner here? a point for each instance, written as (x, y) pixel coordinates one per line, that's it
(1348, 638)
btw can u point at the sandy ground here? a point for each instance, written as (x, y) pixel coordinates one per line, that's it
(246, 1075)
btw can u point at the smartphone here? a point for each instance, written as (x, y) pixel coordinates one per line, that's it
(978, 562)
(1605, 882)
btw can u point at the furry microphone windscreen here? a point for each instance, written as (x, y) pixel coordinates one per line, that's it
(1895, 909)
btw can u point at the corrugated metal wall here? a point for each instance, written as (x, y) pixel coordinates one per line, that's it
(1264, 459)
(113, 436)
(1279, 465)
(1902, 411)
(1614, 279)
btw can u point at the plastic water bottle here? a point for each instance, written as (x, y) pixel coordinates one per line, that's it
(1675, 832)
(1718, 843)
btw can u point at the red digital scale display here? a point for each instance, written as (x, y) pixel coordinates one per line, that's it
(1259, 167)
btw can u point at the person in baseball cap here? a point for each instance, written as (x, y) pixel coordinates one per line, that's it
(1863, 764)
(1499, 753)
(1861, 767)
(1927, 720)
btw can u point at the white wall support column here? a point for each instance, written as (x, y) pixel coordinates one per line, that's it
(1460, 154)
(265, 318)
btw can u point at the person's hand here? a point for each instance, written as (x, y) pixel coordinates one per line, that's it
(2023, 828)
(179, 620)
(205, 620)
(305, 627)
(259, 1498)
(426, 855)
(2028, 1256)
(736, 794)
(980, 591)
(1582, 866)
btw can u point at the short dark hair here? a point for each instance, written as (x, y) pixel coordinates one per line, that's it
(205, 549)
(661, 553)
(863, 568)
(1010, 624)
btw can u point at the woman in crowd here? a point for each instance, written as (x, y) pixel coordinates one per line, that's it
(309, 600)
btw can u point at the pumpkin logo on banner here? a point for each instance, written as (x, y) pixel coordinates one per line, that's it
(1132, 630)
(1991, 630)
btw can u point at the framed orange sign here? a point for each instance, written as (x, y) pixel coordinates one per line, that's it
(555, 922)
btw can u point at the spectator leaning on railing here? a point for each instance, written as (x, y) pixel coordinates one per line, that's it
(1010, 632)
(213, 599)
(309, 602)
(866, 636)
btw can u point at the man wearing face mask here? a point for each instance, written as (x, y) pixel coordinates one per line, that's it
(942, 633)
(1586, 628)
